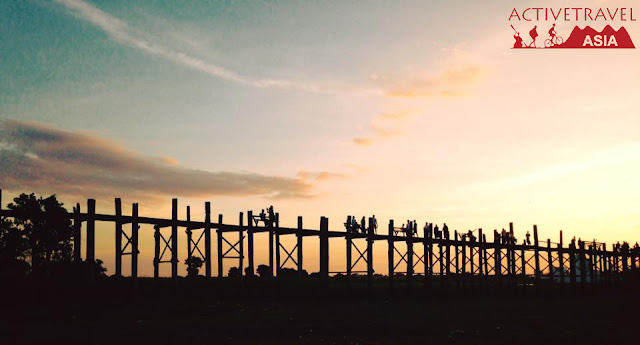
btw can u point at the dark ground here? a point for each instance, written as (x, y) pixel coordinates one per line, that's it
(185, 313)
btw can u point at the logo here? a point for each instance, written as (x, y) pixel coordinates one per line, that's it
(590, 38)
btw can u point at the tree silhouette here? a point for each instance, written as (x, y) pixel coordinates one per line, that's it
(13, 250)
(44, 224)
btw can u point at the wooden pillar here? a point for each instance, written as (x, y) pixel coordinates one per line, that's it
(484, 255)
(480, 252)
(220, 249)
(134, 240)
(324, 249)
(189, 233)
(349, 245)
(91, 230)
(241, 244)
(174, 238)
(276, 233)
(410, 256)
(536, 252)
(299, 251)
(391, 248)
(77, 234)
(464, 256)
(118, 233)
(497, 255)
(592, 265)
(457, 251)
(600, 266)
(605, 262)
(512, 254)
(207, 239)
(572, 264)
(250, 223)
(523, 265)
(428, 257)
(441, 256)
(156, 255)
(561, 260)
(271, 248)
(370, 254)
(470, 245)
(550, 259)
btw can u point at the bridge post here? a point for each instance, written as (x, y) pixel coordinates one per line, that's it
(156, 256)
(241, 244)
(536, 252)
(276, 234)
(118, 223)
(77, 234)
(220, 249)
(207, 239)
(480, 252)
(349, 241)
(484, 255)
(271, 247)
(370, 254)
(134, 240)
(189, 233)
(428, 256)
(91, 230)
(410, 257)
(512, 253)
(550, 259)
(299, 251)
(391, 248)
(250, 223)
(497, 255)
(561, 260)
(174, 238)
(457, 251)
(324, 249)
(572, 265)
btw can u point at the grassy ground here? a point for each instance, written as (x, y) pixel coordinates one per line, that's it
(110, 313)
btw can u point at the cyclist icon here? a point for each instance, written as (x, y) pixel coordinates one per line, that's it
(553, 39)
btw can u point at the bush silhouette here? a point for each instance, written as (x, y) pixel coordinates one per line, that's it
(234, 272)
(263, 271)
(193, 266)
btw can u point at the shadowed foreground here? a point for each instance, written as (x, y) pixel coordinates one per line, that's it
(107, 313)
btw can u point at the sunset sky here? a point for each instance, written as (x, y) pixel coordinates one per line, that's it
(402, 109)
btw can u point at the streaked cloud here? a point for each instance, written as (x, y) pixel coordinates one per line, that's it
(123, 33)
(384, 126)
(607, 157)
(452, 82)
(317, 176)
(38, 157)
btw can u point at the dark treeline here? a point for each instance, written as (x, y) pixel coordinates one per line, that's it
(37, 242)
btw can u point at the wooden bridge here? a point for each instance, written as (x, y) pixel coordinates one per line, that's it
(536, 263)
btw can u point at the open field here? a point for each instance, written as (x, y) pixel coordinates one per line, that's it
(109, 312)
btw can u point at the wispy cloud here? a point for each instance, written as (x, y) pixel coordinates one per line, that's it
(123, 33)
(616, 155)
(385, 126)
(451, 82)
(317, 176)
(37, 157)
